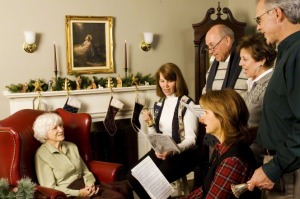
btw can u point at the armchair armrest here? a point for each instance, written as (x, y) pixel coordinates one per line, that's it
(44, 192)
(106, 171)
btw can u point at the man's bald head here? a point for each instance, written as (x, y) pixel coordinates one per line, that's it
(219, 39)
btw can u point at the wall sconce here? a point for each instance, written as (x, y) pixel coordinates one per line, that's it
(148, 39)
(29, 46)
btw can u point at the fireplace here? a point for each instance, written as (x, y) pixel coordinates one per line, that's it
(122, 147)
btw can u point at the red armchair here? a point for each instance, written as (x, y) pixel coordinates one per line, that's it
(18, 147)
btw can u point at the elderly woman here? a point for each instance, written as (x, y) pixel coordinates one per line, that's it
(232, 161)
(59, 165)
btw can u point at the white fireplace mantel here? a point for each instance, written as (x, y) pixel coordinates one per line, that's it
(93, 101)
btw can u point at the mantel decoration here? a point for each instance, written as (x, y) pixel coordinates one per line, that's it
(81, 82)
(25, 189)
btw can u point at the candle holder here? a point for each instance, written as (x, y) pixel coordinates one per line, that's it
(29, 45)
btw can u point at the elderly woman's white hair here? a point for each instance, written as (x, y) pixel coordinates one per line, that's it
(44, 123)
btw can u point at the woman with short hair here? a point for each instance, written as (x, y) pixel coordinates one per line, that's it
(59, 165)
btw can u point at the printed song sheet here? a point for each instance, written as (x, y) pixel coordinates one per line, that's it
(194, 108)
(151, 178)
(160, 142)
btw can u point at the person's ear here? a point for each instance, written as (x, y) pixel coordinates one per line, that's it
(262, 62)
(280, 16)
(227, 39)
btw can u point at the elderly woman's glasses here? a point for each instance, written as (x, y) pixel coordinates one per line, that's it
(207, 48)
(258, 19)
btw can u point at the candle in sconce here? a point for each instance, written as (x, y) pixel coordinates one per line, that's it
(55, 61)
(126, 67)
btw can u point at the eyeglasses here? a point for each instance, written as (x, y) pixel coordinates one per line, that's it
(258, 19)
(207, 48)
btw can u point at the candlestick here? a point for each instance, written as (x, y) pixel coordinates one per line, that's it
(126, 67)
(55, 63)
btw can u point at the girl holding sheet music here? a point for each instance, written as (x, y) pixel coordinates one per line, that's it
(173, 119)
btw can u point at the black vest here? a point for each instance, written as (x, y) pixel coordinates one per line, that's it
(241, 151)
(175, 122)
(232, 73)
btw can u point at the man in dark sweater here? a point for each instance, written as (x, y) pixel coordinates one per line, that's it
(279, 128)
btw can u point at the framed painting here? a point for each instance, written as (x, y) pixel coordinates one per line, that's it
(89, 44)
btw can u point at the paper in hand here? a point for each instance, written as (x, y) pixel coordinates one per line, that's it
(194, 108)
(161, 142)
(151, 178)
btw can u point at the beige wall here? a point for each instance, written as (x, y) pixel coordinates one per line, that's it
(244, 11)
(170, 20)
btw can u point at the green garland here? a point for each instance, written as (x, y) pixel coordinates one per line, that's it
(25, 189)
(86, 82)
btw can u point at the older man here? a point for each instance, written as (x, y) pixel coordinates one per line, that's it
(279, 129)
(225, 71)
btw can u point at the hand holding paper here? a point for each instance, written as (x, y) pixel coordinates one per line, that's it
(160, 142)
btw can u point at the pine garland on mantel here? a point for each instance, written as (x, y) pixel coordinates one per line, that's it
(85, 83)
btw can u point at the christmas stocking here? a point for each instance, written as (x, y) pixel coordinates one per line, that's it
(109, 121)
(138, 107)
(72, 105)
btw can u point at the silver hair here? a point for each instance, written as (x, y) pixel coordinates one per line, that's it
(43, 124)
(291, 8)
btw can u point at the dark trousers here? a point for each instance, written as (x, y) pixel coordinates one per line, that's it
(112, 190)
(172, 168)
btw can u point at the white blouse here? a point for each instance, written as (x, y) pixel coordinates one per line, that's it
(190, 122)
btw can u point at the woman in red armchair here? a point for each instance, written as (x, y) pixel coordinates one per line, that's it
(59, 165)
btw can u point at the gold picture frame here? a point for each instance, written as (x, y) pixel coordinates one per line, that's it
(89, 44)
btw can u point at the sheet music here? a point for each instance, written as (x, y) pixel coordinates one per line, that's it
(160, 142)
(194, 108)
(151, 178)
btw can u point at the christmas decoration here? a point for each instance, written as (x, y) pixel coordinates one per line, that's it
(109, 121)
(138, 107)
(38, 85)
(82, 82)
(25, 189)
(72, 105)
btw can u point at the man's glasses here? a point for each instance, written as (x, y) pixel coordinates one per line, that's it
(207, 48)
(258, 19)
